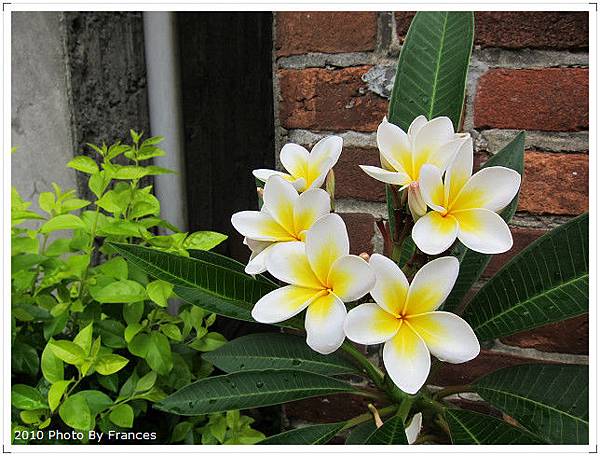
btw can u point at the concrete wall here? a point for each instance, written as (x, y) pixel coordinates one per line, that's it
(41, 125)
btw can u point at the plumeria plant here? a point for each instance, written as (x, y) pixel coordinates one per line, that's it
(413, 299)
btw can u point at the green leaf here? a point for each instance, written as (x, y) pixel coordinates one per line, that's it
(159, 291)
(207, 285)
(549, 400)
(318, 434)
(203, 240)
(68, 351)
(159, 356)
(97, 401)
(544, 283)
(109, 364)
(146, 382)
(181, 430)
(84, 338)
(139, 344)
(62, 222)
(172, 331)
(432, 68)
(98, 183)
(111, 332)
(211, 341)
(277, 351)
(122, 415)
(52, 367)
(391, 433)
(249, 389)
(115, 268)
(133, 311)
(472, 428)
(47, 202)
(472, 264)
(25, 397)
(120, 291)
(76, 413)
(131, 331)
(84, 164)
(361, 433)
(55, 393)
(24, 359)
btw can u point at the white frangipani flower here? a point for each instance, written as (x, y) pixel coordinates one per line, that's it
(465, 206)
(306, 170)
(285, 216)
(322, 277)
(414, 428)
(403, 154)
(404, 317)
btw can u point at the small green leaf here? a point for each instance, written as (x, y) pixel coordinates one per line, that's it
(55, 393)
(62, 222)
(52, 366)
(172, 331)
(84, 338)
(139, 345)
(159, 291)
(121, 291)
(115, 268)
(109, 364)
(181, 430)
(98, 183)
(67, 351)
(131, 331)
(133, 311)
(209, 342)
(76, 413)
(25, 397)
(47, 202)
(84, 164)
(111, 332)
(159, 356)
(122, 415)
(24, 359)
(146, 382)
(203, 240)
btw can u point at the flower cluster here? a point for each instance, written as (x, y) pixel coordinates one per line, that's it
(300, 242)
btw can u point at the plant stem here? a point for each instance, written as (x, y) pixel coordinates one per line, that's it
(450, 390)
(364, 417)
(361, 360)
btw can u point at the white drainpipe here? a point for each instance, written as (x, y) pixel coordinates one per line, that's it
(164, 100)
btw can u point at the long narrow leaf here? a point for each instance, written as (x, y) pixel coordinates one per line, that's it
(391, 433)
(546, 282)
(249, 389)
(432, 68)
(318, 434)
(471, 428)
(472, 264)
(549, 400)
(276, 351)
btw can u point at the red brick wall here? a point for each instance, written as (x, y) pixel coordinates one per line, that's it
(529, 72)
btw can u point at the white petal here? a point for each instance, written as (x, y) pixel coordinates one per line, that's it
(483, 231)
(445, 153)
(447, 336)
(459, 171)
(256, 264)
(279, 200)
(369, 324)
(323, 156)
(294, 159)
(391, 285)
(434, 133)
(394, 145)
(283, 303)
(264, 174)
(491, 188)
(433, 234)
(259, 226)
(350, 278)
(414, 428)
(431, 187)
(326, 241)
(432, 285)
(407, 360)
(324, 324)
(389, 177)
(416, 126)
(310, 206)
(287, 262)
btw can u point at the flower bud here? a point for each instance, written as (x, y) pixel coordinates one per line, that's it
(416, 203)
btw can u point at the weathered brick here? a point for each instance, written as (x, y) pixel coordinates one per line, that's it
(568, 336)
(521, 29)
(330, 32)
(522, 237)
(549, 99)
(361, 228)
(353, 182)
(487, 361)
(323, 99)
(555, 184)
